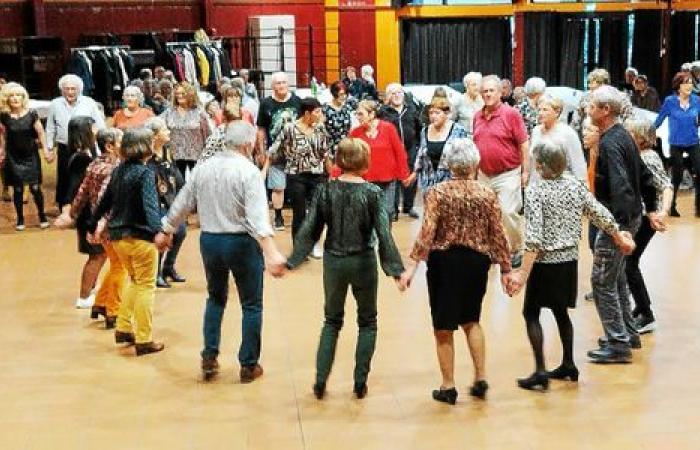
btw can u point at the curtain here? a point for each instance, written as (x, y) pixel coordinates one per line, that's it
(646, 47)
(543, 46)
(571, 51)
(613, 45)
(440, 51)
(681, 45)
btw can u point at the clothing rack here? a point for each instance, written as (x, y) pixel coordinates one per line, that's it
(216, 42)
(100, 47)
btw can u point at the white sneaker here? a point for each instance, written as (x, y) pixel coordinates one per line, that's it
(20, 227)
(43, 225)
(317, 252)
(85, 303)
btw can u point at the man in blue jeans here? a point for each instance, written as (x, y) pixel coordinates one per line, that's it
(229, 193)
(622, 182)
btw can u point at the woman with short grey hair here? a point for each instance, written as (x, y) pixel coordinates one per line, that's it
(534, 89)
(134, 114)
(553, 210)
(461, 233)
(466, 106)
(551, 128)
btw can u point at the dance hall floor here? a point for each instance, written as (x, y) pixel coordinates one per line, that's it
(65, 385)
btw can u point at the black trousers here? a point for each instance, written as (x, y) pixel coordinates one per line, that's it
(184, 164)
(408, 193)
(635, 280)
(677, 167)
(62, 178)
(300, 191)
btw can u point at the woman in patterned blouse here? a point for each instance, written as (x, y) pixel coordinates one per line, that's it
(644, 135)
(338, 113)
(431, 167)
(553, 210)
(461, 236)
(303, 144)
(188, 125)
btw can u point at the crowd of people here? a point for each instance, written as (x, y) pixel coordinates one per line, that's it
(500, 184)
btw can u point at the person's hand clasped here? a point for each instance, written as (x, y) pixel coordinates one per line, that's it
(625, 242)
(657, 221)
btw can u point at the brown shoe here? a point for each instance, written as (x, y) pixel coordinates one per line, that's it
(210, 368)
(122, 337)
(250, 373)
(110, 322)
(149, 347)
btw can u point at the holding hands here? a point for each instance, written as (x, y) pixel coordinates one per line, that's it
(625, 242)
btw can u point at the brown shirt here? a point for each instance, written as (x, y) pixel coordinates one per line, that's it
(122, 121)
(463, 212)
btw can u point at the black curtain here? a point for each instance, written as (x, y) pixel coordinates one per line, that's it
(442, 51)
(613, 45)
(646, 49)
(543, 46)
(682, 43)
(571, 51)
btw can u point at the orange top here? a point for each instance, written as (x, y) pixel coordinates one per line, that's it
(136, 119)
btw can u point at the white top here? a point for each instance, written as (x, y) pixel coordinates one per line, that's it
(465, 110)
(60, 113)
(229, 194)
(565, 135)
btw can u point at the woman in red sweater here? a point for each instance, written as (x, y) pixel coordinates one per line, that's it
(388, 157)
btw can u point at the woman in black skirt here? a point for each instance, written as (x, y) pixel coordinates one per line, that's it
(461, 236)
(24, 135)
(553, 210)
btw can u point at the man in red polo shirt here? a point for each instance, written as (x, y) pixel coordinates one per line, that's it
(501, 137)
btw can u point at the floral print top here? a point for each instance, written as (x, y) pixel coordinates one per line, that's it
(661, 180)
(462, 212)
(338, 122)
(188, 132)
(529, 114)
(553, 211)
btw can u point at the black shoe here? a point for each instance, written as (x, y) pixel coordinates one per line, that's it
(149, 347)
(395, 217)
(360, 390)
(173, 275)
(98, 310)
(645, 323)
(610, 355)
(110, 322)
(538, 381)
(479, 389)
(516, 261)
(210, 368)
(635, 343)
(445, 395)
(162, 283)
(563, 372)
(674, 212)
(279, 224)
(412, 213)
(319, 390)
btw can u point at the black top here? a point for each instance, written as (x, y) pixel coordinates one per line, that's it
(622, 181)
(436, 148)
(352, 212)
(274, 115)
(22, 162)
(132, 201)
(407, 123)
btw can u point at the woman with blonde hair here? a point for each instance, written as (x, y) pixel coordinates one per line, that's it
(20, 160)
(189, 127)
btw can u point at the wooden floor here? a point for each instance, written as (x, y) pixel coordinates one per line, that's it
(65, 385)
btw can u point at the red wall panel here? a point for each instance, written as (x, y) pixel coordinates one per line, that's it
(358, 44)
(61, 19)
(15, 19)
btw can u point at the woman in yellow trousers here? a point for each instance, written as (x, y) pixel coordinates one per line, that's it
(134, 227)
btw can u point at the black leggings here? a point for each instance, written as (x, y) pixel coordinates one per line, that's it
(184, 164)
(18, 199)
(534, 333)
(677, 168)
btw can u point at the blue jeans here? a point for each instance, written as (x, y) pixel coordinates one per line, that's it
(239, 254)
(609, 282)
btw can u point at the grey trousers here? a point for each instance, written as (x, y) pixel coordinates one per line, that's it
(609, 283)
